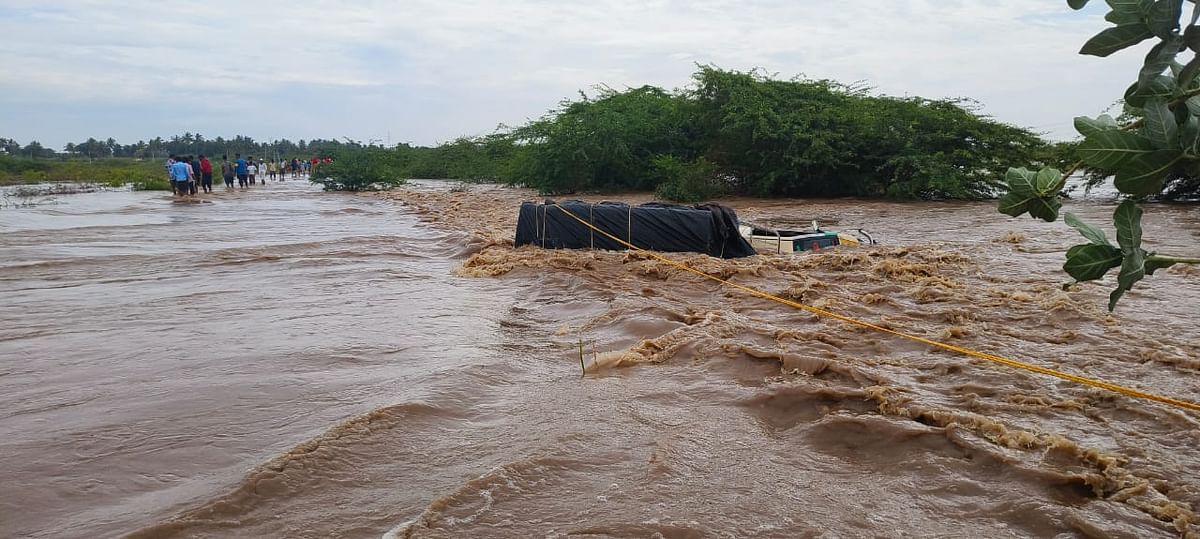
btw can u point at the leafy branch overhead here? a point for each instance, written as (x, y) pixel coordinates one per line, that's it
(1159, 143)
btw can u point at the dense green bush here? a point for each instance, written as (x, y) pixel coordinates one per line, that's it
(680, 181)
(362, 169)
(112, 172)
(603, 143)
(768, 137)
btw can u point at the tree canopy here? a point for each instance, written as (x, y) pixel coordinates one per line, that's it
(763, 136)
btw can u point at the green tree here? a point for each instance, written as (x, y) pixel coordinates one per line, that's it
(35, 150)
(10, 147)
(360, 169)
(1156, 149)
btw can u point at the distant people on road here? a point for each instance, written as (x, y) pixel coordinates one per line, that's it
(206, 173)
(227, 171)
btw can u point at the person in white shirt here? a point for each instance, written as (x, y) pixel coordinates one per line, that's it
(251, 170)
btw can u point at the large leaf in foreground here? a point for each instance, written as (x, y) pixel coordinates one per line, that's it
(1115, 39)
(1146, 173)
(1093, 234)
(1016, 204)
(1089, 126)
(1128, 218)
(1089, 261)
(1108, 149)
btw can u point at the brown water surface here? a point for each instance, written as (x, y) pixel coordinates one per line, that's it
(288, 363)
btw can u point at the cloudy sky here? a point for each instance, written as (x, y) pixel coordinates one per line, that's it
(425, 71)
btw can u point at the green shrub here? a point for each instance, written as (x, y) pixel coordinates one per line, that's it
(690, 182)
(360, 169)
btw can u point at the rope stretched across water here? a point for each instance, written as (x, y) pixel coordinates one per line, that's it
(1082, 380)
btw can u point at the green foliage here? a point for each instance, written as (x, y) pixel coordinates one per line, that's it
(690, 182)
(821, 138)
(469, 159)
(361, 169)
(603, 143)
(1033, 192)
(1156, 151)
(768, 137)
(143, 175)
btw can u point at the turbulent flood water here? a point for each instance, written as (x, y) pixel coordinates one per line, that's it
(287, 363)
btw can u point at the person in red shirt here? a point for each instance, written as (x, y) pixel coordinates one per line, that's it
(206, 171)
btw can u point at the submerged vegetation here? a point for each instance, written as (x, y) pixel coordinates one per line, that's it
(140, 175)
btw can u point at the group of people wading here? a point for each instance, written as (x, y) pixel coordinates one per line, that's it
(188, 174)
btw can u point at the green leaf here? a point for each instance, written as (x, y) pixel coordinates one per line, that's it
(1164, 18)
(1021, 181)
(1133, 269)
(1090, 261)
(1146, 173)
(1128, 218)
(1159, 60)
(1110, 149)
(1189, 134)
(1160, 126)
(1115, 39)
(1124, 17)
(1088, 126)
(1160, 86)
(1045, 209)
(1049, 182)
(1191, 37)
(1014, 204)
(1026, 190)
(1077, 4)
(1193, 105)
(1093, 234)
(1188, 74)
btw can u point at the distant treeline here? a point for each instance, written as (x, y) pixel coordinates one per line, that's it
(729, 132)
(185, 144)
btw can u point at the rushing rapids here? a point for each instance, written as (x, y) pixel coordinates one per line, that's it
(292, 363)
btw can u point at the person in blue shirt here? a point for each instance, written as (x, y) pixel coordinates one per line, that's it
(181, 174)
(242, 170)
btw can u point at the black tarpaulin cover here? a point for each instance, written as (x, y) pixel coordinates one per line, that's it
(710, 229)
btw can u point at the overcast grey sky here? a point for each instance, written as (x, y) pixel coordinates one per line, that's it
(425, 71)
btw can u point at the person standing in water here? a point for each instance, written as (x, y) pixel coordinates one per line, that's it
(206, 172)
(195, 164)
(170, 173)
(242, 170)
(252, 170)
(181, 174)
(227, 171)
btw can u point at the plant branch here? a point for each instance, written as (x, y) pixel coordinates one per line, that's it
(1174, 259)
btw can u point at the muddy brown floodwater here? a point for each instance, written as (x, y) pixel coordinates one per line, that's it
(288, 363)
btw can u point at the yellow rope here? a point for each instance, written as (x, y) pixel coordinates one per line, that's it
(1129, 392)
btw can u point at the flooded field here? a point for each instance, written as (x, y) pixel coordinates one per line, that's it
(289, 363)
